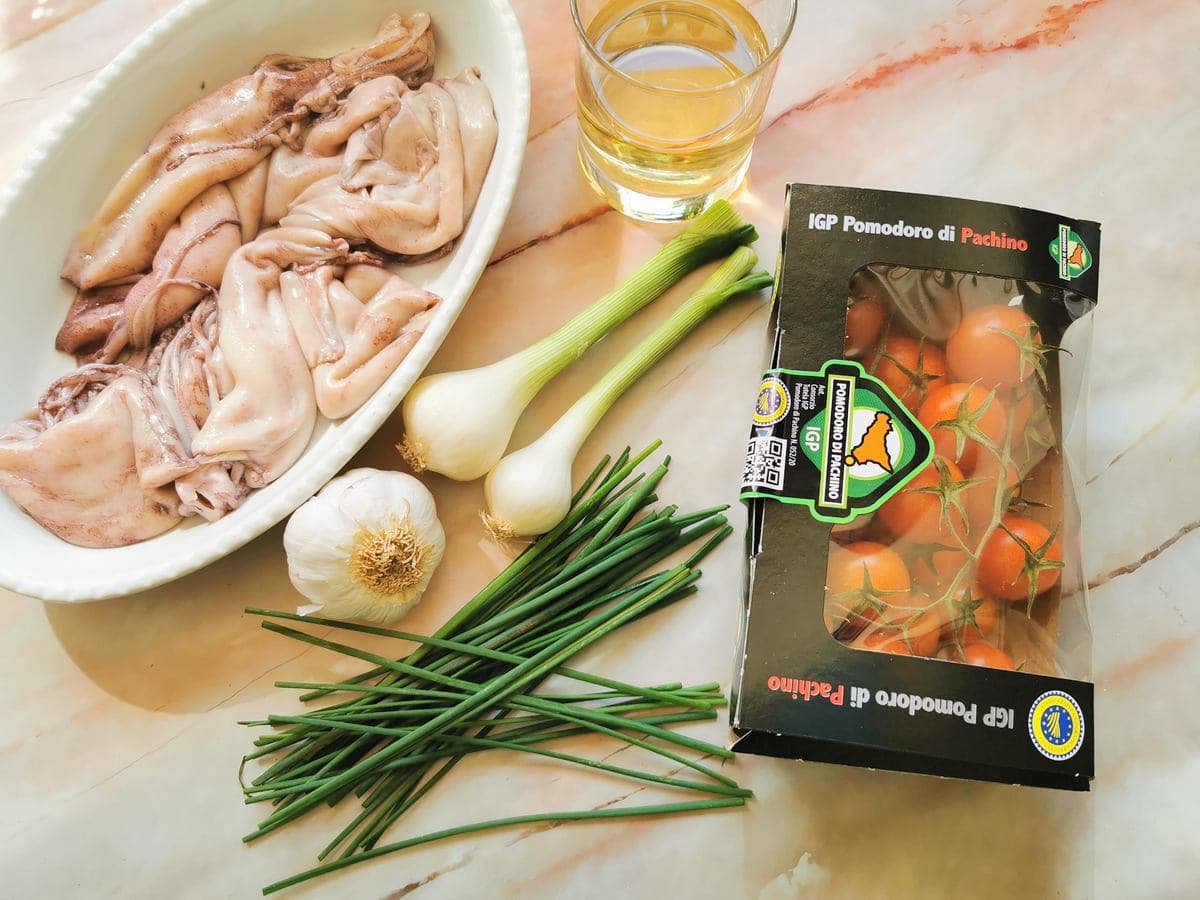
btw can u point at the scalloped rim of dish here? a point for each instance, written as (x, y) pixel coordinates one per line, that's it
(358, 429)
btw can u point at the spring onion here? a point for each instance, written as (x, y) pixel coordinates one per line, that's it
(529, 490)
(458, 424)
(389, 735)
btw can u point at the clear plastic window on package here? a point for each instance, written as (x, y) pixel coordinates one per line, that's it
(977, 559)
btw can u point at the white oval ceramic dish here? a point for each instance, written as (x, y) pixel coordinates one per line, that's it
(197, 47)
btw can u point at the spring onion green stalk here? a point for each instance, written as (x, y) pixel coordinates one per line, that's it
(529, 490)
(389, 735)
(458, 424)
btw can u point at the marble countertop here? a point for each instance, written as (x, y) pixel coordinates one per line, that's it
(118, 742)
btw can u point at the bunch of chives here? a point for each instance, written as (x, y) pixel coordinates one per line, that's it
(470, 687)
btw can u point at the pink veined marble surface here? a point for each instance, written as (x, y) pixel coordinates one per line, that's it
(118, 742)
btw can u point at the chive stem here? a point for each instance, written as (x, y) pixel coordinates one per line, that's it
(573, 816)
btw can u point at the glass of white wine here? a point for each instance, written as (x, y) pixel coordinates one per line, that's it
(671, 93)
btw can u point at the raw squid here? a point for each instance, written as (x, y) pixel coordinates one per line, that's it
(104, 320)
(215, 363)
(188, 372)
(399, 168)
(225, 134)
(93, 315)
(353, 333)
(268, 416)
(191, 377)
(187, 266)
(322, 150)
(95, 466)
(293, 338)
(411, 177)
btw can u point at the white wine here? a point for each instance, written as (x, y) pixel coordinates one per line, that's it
(667, 107)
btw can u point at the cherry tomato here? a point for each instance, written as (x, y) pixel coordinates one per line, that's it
(955, 412)
(919, 632)
(863, 578)
(924, 511)
(979, 654)
(980, 499)
(997, 346)
(910, 368)
(933, 567)
(973, 616)
(1005, 566)
(924, 633)
(850, 564)
(845, 531)
(1025, 405)
(1031, 428)
(886, 641)
(904, 609)
(864, 322)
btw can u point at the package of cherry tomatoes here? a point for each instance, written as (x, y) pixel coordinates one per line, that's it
(915, 595)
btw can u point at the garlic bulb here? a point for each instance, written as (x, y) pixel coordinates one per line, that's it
(365, 547)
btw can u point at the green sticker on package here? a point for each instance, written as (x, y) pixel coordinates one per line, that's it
(837, 441)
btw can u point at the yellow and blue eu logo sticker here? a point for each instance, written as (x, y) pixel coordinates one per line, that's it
(1056, 725)
(773, 401)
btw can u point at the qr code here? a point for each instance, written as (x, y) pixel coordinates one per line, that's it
(764, 463)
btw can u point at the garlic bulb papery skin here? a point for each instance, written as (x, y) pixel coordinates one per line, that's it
(529, 491)
(365, 547)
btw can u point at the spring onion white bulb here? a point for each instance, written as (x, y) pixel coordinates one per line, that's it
(458, 424)
(529, 491)
(365, 547)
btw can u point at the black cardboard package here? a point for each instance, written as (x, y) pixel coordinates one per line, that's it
(914, 593)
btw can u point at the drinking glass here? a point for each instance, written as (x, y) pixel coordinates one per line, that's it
(671, 93)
